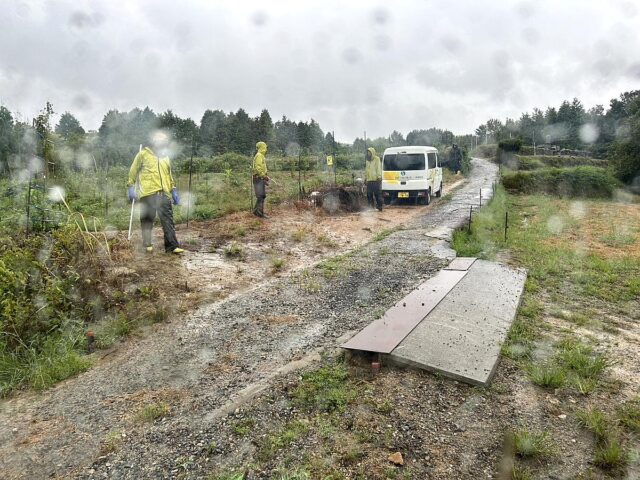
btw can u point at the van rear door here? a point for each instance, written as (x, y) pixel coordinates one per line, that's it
(404, 167)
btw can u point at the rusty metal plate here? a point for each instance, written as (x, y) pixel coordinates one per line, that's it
(461, 263)
(384, 334)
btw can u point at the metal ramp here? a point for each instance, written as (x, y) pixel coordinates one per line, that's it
(454, 323)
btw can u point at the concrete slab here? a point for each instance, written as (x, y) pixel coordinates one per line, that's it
(441, 232)
(461, 263)
(462, 336)
(384, 334)
(442, 249)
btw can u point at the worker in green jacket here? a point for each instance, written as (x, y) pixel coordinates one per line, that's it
(157, 189)
(373, 177)
(260, 178)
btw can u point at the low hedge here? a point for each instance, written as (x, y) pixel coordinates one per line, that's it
(584, 181)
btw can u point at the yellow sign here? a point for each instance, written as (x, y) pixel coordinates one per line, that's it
(329, 160)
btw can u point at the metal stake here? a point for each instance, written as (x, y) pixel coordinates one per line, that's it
(506, 224)
(190, 173)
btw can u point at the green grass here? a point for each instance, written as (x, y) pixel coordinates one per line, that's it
(385, 233)
(152, 412)
(243, 427)
(547, 375)
(326, 389)
(299, 235)
(234, 250)
(293, 475)
(595, 421)
(629, 415)
(336, 266)
(309, 283)
(112, 441)
(581, 181)
(272, 444)
(610, 454)
(58, 358)
(532, 444)
(521, 473)
(277, 264)
(325, 241)
(580, 359)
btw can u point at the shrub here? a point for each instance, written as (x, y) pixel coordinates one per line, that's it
(625, 158)
(566, 182)
(486, 151)
(510, 145)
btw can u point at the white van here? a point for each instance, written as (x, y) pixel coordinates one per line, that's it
(411, 173)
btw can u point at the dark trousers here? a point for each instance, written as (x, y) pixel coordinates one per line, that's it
(158, 203)
(261, 194)
(373, 192)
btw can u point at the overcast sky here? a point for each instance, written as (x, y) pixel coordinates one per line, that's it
(351, 65)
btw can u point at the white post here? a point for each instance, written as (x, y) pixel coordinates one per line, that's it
(132, 205)
(534, 143)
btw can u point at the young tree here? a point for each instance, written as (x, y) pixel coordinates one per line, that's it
(396, 139)
(7, 138)
(69, 126)
(45, 145)
(263, 130)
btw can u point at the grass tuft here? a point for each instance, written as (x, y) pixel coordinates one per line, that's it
(234, 250)
(547, 375)
(152, 412)
(629, 415)
(326, 389)
(277, 264)
(610, 455)
(532, 444)
(595, 421)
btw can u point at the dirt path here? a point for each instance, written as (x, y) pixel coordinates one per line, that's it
(91, 426)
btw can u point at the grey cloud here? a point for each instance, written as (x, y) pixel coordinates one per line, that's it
(351, 66)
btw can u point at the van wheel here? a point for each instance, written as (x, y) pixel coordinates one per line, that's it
(387, 200)
(427, 198)
(439, 194)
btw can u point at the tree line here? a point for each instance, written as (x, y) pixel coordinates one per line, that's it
(613, 132)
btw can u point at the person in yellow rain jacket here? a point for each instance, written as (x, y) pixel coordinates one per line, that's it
(373, 176)
(260, 178)
(157, 189)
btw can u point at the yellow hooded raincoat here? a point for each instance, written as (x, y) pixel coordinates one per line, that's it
(155, 173)
(373, 167)
(259, 169)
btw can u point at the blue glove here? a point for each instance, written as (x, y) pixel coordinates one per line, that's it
(132, 194)
(176, 197)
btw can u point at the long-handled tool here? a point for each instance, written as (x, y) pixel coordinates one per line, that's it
(133, 202)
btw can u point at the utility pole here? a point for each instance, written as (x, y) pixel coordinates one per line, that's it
(365, 148)
(335, 161)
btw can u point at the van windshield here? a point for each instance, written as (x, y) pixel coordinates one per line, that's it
(404, 161)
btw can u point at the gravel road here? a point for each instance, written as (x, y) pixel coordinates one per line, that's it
(198, 364)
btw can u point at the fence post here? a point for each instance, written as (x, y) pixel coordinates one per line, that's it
(506, 224)
(480, 197)
(470, 212)
(29, 205)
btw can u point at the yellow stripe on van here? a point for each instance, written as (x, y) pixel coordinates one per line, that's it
(393, 177)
